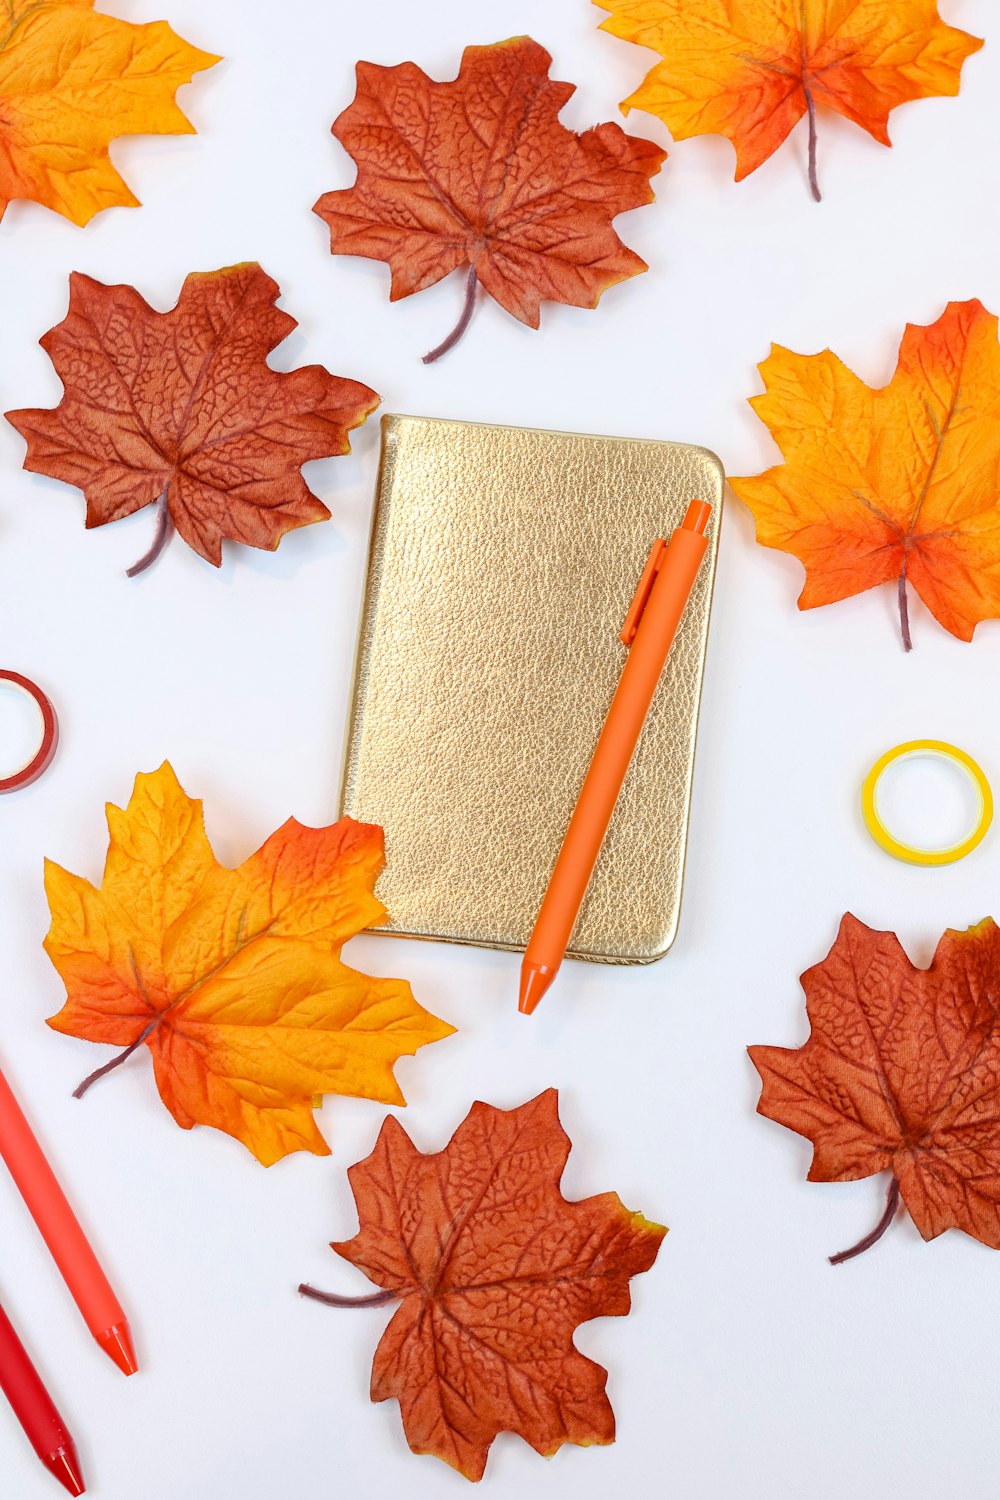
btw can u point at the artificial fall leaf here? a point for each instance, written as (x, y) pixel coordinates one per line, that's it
(901, 1073)
(233, 978)
(479, 173)
(71, 80)
(899, 485)
(492, 1270)
(182, 408)
(750, 69)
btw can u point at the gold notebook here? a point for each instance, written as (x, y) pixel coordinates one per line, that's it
(502, 563)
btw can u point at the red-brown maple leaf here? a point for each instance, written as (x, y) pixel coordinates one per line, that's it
(493, 1270)
(182, 407)
(901, 1073)
(479, 173)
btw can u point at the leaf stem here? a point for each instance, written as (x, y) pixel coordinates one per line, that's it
(904, 611)
(331, 1299)
(471, 287)
(891, 1205)
(813, 178)
(164, 531)
(115, 1062)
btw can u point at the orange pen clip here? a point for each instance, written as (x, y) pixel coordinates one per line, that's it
(643, 591)
(650, 625)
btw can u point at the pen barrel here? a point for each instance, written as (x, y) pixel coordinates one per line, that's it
(55, 1219)
(29, 1400)
(602, 785)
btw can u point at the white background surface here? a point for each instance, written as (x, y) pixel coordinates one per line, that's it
(748, 1366)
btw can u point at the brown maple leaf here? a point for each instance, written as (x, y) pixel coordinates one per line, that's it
(479, 173)
(493, 1270)
(182, 408)
(901, 1073)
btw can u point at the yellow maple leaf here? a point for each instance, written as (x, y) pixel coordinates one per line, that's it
(233, 978)
(751, 69)
(71, 80)
(896, 485)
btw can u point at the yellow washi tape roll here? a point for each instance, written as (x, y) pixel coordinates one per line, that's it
(899, 850)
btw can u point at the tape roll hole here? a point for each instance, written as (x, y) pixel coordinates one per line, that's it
(22, 729)
(928, 801)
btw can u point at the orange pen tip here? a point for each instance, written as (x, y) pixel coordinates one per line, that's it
(535, 980)
(65, 1465)
(117, 1345)
(696, 520)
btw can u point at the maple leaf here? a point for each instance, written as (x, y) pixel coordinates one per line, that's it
(493, 1270)
(896, 485)
(182, 408)
(901, 1073)
(71, 80)
(750, 69)
(233, 978)
(479, 173)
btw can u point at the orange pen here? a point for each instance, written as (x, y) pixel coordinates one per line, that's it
(59, 1228)
(649, 630)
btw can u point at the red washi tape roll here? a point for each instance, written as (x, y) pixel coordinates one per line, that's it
(39, 762)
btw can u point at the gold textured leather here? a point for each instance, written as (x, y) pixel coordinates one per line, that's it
(501, 567)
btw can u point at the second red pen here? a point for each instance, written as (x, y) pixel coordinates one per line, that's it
(33, 1406)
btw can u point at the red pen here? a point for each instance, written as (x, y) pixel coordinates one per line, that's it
(61, 1231)
(34, 1409)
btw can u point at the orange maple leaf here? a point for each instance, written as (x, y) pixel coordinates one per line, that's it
(901, 1073)
(897, 485)
(492, 1270)
(233, 978)
(479, 172)
(750, 69)
(181, 407)
(71, 80)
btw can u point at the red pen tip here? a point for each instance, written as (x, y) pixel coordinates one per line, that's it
(535, 980)
(65, 1465)
(117, 1345)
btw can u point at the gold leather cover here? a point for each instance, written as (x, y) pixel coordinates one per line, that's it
(502, 563)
